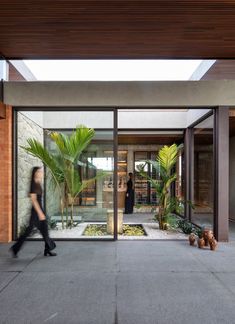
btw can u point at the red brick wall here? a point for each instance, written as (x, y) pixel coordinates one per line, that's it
(6, 177)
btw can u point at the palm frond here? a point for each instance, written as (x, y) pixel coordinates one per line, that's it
(167, 157)
(36, 149)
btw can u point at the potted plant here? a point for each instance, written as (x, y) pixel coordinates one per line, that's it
(200, 240)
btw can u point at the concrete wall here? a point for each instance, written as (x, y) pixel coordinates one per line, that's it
(52, 194)
(26, 129)
(195, 114)
(232, 178)
(121, 94)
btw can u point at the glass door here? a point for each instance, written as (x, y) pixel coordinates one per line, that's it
(82, 205)
(203, 173)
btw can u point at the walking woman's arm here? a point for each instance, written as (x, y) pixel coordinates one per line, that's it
(37, 207)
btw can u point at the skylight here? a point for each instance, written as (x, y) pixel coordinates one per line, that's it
(112, 70)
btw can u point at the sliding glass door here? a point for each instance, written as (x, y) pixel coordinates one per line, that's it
(80, 206)
(203, 173)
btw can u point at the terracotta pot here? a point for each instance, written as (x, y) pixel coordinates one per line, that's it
(207, 235)
(201, 243)
(192, 238)
(213, 244)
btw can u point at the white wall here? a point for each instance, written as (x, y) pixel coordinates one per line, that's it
(35, 116)
(152, 119)
(71, 119)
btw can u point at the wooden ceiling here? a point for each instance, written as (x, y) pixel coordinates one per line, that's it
(221, 70)
(143, 29)
(135, 139)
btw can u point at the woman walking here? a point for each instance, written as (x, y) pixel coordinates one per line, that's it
(37, 218)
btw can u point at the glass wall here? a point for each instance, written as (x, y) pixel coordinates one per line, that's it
(145, 194)
(79, 206)
(203, 172)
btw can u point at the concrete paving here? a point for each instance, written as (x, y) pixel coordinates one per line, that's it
(125, 282)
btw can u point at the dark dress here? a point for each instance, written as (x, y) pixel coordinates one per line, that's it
(129, 200)
(34, 221)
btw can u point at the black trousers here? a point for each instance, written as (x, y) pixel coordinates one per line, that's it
(42, 227)
(129, 202)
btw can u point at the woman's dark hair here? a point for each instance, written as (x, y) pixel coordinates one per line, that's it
(130, 174)
(34, 170)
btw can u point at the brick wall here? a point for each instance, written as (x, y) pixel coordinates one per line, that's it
(6, 177)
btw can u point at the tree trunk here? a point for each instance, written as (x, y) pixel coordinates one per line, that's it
(71, 213)
(62, 212)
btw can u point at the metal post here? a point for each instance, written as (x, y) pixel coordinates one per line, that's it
(115, 182)
(221, 178)
(188, 171)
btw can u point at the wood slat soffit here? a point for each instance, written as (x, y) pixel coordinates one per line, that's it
(117, 29)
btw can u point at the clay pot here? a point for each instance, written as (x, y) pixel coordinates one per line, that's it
(201, 243)
(192, 238)
(213, 244)
(207, 235)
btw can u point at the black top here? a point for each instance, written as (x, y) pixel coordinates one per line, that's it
(129, 185)
(36, 188)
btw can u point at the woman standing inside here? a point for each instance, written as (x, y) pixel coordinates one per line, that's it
(37, 218)
(129, 200)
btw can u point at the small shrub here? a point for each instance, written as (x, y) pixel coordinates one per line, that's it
(52, 223)
(95, 230)
(185, 226)
(136, 230)
(101, 230)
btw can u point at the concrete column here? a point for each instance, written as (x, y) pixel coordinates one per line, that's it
(221, 197)
(188, 171)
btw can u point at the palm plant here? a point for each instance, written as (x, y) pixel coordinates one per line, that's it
(164, 164)
(63, 164)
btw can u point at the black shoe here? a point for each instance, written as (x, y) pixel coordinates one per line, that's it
(46, 252)
(13, 252)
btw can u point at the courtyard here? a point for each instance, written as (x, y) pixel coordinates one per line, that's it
(131, 282)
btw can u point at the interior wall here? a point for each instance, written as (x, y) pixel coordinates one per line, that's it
(232, 178)
(134, 148)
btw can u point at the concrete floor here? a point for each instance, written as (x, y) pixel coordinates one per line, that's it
(149, 282)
